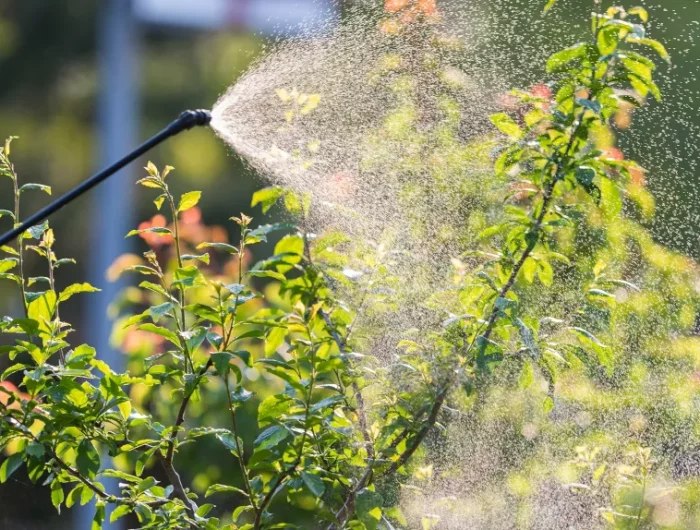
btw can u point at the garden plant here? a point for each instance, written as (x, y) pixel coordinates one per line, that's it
(562, 322)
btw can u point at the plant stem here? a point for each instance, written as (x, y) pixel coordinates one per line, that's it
(181, 288)
(167, 460)
(20, 239)
(239, 449)
(641, 504)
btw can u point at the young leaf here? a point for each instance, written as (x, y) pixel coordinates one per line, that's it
(40, 187)
(314, 483)
(189, 200)
(9, 466)
(76, 288)
(550, 4)
(160, 230)
(57, 495)
(507, 126)
(223, 488)
(163, 332)
(119, 512)
(271, 436)
(88, 459)
(267, 197)
(219, 246)
(566, 56)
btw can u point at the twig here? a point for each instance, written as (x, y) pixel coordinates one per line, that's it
(167, 460)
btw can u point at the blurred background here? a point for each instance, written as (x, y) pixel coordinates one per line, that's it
(85, 81)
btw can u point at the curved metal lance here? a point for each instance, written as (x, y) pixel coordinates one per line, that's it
(186, 121)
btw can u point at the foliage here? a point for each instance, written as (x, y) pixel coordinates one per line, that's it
(321, 444)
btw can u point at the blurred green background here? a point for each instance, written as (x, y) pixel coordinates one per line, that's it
(51, 92)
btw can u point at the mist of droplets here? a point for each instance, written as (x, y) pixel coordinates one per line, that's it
(327, 153)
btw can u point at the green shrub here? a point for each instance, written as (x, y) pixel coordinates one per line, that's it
(531, 302)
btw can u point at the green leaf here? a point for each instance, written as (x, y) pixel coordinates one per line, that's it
(314, 483)
(204, 509)
(611, 199)
(608, 39)
(507, 126)
(150, 182)
(271, 437)
(325, 402)
(8, 264)
(42, 309)
(159, 201)
(590, 341)
(189, 200)
(642, 13)
(368, 506)
(99, 517)
(566, 56)
(528, 337)
(527, 375)
(75, 289)
(88, 459)
(219, 246)
(548, 405)
(659, 48)
(229, 442)
(125, 409)
(163, 332)
(143, 512)
(146, 484)
(160, 230)
(57, 495)
(639, 68)
(204, 258)
(8, 144)
(35, 449)
(9, 250)
(9, 466)
(119, 512)
(272, 408)
(35, 232)
(188, 276)
(204, 312)
(7, 213)
(158, 311)
(40, 187)
(73, 496)
(588, 336)
(267, 197)
(550, 4)
(504, 303)
(222, 361)
(223, 488)
(591, 105)
(240, 395)
(268, 274)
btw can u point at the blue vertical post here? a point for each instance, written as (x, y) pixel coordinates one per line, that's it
(111, 212)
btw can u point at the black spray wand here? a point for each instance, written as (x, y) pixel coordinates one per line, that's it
(186, 121)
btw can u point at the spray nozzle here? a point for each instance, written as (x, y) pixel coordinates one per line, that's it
(193, 118)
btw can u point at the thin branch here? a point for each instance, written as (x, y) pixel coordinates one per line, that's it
(92, 486)
(167, 461)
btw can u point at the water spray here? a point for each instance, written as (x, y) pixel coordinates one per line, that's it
(187, 120)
